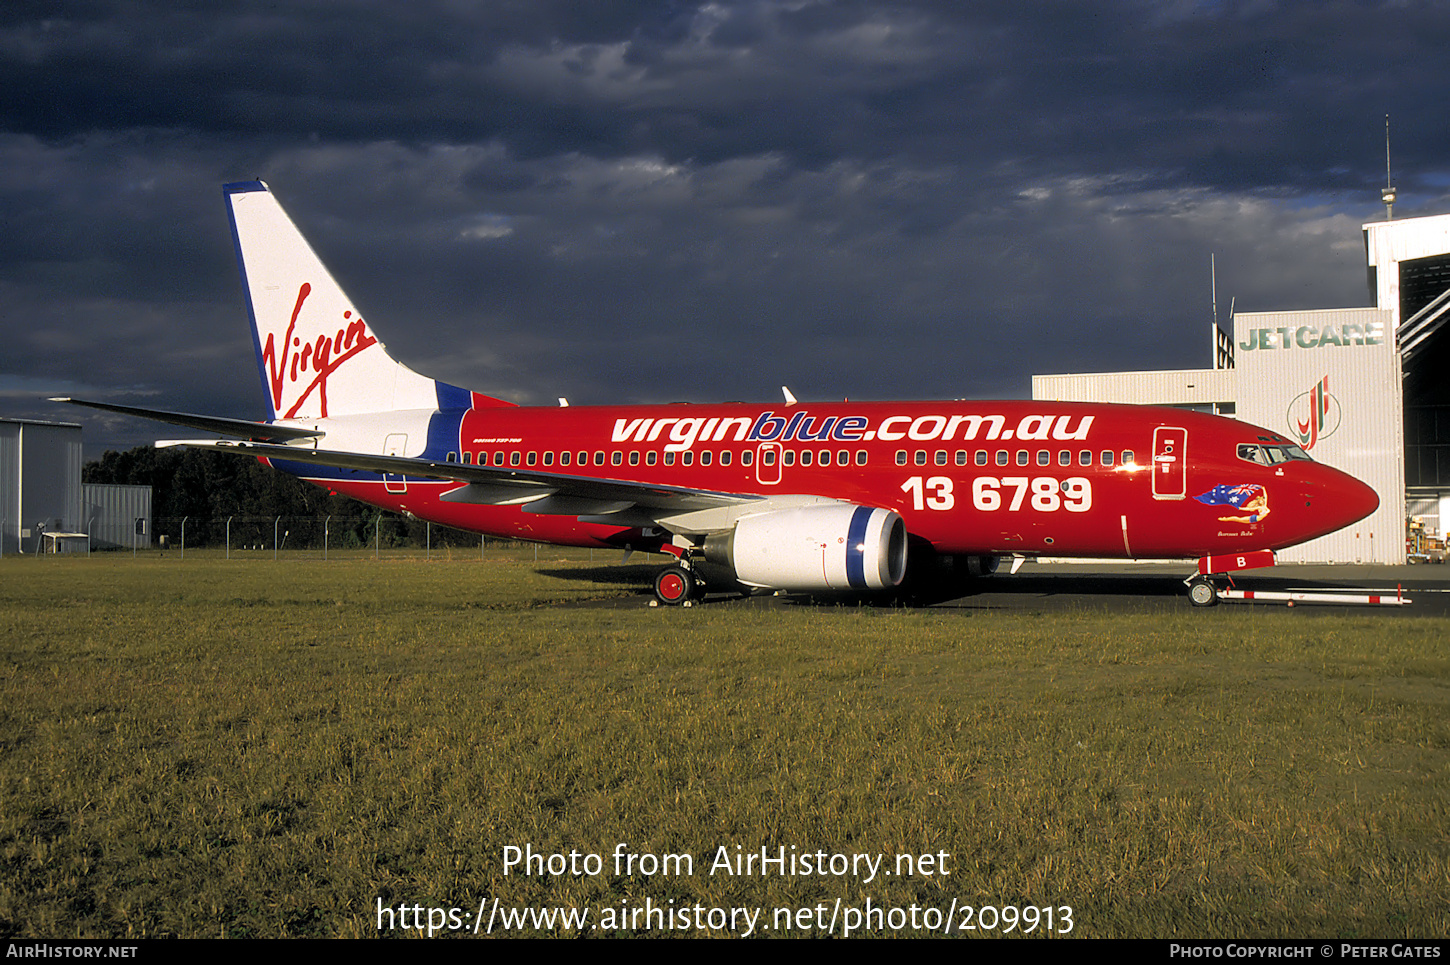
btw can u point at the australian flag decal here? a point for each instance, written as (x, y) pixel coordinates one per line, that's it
(1226, 495)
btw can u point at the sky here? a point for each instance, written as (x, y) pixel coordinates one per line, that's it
(666, 201)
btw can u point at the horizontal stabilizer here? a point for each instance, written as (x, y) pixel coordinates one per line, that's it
(260, 431)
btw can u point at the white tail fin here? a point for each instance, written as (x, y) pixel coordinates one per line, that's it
(317, 356)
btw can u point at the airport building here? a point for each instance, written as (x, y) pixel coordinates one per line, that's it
(1361, 389)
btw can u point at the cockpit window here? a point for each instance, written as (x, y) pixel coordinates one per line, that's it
(1270, 455)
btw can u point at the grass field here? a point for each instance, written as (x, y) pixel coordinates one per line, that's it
(250, 748)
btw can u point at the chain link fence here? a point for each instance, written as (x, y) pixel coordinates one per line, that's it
(277, 535)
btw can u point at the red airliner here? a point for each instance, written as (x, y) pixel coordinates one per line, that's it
(792, 496)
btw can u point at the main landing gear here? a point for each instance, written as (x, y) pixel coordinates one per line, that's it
(678, 585)
(675, 586)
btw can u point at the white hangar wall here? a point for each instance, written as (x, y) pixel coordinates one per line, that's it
(1207, 389)
(1331, 381)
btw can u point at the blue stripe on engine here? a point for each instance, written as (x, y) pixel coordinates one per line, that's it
(856, 548)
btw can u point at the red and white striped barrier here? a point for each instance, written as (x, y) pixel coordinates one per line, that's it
(1293, 597)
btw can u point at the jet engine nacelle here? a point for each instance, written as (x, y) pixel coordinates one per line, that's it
(832, 547)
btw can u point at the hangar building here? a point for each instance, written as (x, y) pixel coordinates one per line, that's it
(40, 482)
(1361, 389)
(41, 495)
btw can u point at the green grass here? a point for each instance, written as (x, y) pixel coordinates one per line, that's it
(255, 749)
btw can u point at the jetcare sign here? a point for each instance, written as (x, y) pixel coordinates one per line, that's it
(1313, 336)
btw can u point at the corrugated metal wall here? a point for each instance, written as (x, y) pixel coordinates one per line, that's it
(9, 487)
(40, 482)
(111, 514)
(1195, 387)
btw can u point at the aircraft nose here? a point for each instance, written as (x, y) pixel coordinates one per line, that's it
(1345, 499)
(1365, 500)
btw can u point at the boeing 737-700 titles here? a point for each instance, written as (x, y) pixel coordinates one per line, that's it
(795, 496)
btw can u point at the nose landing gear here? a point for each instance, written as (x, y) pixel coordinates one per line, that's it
(1201, 591)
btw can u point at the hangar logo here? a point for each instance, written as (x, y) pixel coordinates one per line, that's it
(1314, 415)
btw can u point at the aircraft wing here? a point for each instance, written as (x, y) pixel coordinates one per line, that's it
(541, 492)
(206, 423)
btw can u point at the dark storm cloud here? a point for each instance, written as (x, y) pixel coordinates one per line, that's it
(667, 200)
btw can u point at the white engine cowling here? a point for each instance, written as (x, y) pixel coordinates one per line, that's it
(833, 547)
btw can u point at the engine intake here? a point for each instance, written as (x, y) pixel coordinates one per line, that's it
(833, 547)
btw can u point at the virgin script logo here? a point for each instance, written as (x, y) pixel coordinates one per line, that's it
(321, 357)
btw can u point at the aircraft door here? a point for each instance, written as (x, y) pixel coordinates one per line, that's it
(1170, 466)
(767, 464)
(394, 445)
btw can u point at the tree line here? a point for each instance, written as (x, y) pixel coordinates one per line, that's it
(206, 488)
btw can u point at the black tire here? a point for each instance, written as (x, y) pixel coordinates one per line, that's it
(674, 585)
(1202, 593)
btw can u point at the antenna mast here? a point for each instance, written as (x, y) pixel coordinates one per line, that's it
(1388, 194)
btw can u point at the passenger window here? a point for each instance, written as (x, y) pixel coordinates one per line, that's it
(513, 459)
(901, 457)
(705, 458)
(651, 457)
(599, 457)
(451, 457)
(921, 457)
(1128, 459)
(687, 458)
(1044, 458)
(941, 457)
(787, 458)
(1085, 458)
(1064, 458)
(843, 457)
(725, 457)
(825, 458)
(805, 457)
(746, 458)
(616, 458)
(548, 458)
(1107, 457)
(564, 458)
(634, 457)
(1002, 457)
(767, 458)
(669, 459)
(860, 457)
(1021, 457)
(981, 457)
